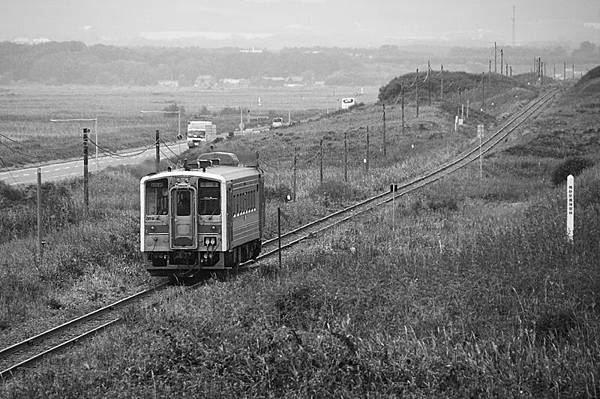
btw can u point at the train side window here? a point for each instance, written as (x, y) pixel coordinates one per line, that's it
(157, 197)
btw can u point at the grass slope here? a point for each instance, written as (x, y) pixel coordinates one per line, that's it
(473, 291)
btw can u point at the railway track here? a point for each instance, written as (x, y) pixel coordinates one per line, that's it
(308, 230)
(32, 349)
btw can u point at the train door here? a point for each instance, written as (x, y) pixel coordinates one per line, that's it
(183, 230)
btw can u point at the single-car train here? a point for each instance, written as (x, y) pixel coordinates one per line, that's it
(207, 216)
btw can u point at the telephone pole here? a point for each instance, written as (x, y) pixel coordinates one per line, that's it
(86, 192)
(495, 57)
(384, 142)
(417, 91)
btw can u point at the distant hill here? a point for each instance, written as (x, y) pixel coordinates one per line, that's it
(60, 63)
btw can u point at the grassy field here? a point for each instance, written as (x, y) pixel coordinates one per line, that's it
(26, 111)
(474, 290)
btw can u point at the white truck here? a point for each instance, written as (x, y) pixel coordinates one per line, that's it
(199, 131)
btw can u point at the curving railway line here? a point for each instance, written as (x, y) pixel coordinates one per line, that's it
(32, 349)
(310, 229)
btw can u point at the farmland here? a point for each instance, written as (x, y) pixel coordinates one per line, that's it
(26, 111)
(471, 291)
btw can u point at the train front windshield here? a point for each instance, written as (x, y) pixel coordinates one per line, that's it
(209, 197)
(157, 197)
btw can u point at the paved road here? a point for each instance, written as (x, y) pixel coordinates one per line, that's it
(67, 169)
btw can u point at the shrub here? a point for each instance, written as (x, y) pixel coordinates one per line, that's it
(335, 191)
(281, 192)
(572, 166)
(10, 194)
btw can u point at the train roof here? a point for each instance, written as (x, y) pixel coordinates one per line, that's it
(219, 173)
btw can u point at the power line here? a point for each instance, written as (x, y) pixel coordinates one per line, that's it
(114, 154)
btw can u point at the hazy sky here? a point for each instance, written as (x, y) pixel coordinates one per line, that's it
(278, 23)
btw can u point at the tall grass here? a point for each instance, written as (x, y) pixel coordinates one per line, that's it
(453, 303)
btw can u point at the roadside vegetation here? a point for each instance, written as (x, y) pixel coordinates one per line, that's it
(473, 290)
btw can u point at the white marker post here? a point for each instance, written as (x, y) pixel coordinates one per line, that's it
(570, 207)
(480, 133)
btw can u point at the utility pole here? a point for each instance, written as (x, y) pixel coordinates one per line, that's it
(384, 142)
(321, 162)
(501, 61)
(346, 157)
(482, 91)
(402, 110)
(157, 154)
(39, 213)
(417, 91)
(565, 71)
(573, 71)
(442, 83)
(86, 193)
(367, 157)
(295, 172)
(429, 82)
(495, 57)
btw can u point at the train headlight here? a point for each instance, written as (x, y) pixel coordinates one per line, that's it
(213, 241)
(206, 241)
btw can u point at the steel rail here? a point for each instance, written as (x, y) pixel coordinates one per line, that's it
(38, 356)
(63, 328)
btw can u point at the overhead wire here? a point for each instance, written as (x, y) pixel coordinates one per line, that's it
(114, 154)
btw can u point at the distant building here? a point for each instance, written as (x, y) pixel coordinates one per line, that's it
(251, 50)
(204, 82)
(230, 82)
(168, 83)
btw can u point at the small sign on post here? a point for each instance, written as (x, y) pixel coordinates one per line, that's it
(570, 207)
(480, 134)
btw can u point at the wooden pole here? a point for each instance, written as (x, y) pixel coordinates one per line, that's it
(384, 142)
(501, 61)
(321, 162)
(429, 82)
(367, 157)
(417, 91)
(495, 57)
(279, 234)
(86, 193)
(402, 110)
(442, 83)
(39, 214)
(482, 91)
(295, 173)
(345, 156)
(157, 155)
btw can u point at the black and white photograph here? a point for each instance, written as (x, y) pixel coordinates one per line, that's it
(299, 199)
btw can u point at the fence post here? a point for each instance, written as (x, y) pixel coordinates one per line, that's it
(86, 193)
